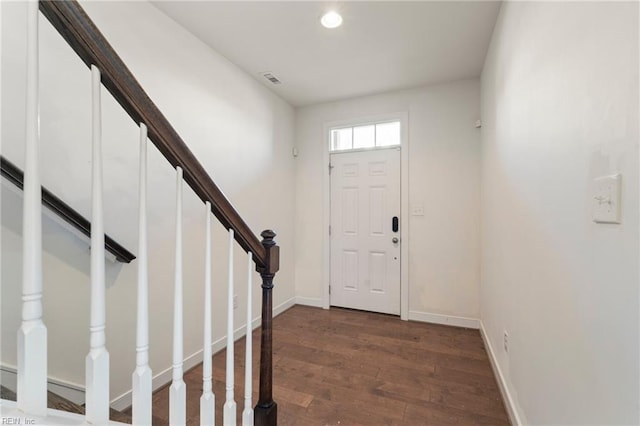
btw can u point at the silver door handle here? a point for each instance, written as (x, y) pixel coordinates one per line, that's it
(395, 240)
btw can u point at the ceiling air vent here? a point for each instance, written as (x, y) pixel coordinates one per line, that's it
(272, 78)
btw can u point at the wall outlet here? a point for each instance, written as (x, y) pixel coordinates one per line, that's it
(235, 301)
(505, 341)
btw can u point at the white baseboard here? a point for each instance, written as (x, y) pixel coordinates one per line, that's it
(124, 401)
(444, 319)
(512, 410)
(71, 391)
(282, 307)
(309, 301)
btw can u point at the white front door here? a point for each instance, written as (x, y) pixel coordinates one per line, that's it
(365, 248)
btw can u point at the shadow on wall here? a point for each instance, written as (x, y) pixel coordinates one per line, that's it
(59, 239)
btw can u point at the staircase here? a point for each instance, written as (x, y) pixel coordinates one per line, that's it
(33, 403)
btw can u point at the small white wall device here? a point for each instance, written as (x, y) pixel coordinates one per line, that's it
(606, 199)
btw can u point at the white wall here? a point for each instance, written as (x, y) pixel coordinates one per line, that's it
(241, 132)
(560, 108)
(443, 174)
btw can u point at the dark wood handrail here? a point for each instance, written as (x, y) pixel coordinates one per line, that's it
(72, 22)
(14, 175)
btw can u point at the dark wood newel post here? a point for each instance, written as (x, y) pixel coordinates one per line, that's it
(266, 411)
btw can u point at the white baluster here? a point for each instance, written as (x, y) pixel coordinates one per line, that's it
(178, 389)
(229, 412)
(247, 413)
(142, 376)
(207, 400)
(97, 361)
(32, 336)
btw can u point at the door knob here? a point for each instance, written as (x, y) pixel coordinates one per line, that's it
(395, 240)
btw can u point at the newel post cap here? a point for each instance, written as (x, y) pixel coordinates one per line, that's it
(268, 235)
(272, 251)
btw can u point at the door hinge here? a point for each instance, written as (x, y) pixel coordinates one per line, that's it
(329, 229)
(329, 289)
(330, 167)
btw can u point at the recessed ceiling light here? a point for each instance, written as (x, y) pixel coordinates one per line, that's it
(331, 19)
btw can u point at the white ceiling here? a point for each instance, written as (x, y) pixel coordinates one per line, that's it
(381, 46)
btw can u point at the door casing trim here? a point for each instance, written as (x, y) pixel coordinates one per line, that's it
(403, 117)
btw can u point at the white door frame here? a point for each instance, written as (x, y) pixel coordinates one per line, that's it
(403, 117)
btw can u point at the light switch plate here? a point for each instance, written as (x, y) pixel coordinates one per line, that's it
(417, 210)
(606, 199)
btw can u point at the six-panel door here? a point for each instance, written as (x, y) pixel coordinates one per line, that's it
(365, 252)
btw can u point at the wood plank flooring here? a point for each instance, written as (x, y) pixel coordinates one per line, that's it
(344, 367)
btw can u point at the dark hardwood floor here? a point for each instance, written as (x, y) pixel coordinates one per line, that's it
(344, 367)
